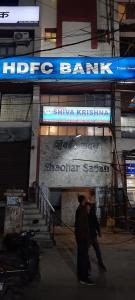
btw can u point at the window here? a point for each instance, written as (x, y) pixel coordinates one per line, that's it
(74, 131)
(126, 11)
(90, 131)
(128, 126)
(121, 12)
(53, 130)
(7, 50)
(44, 130)
(107, 131)
(130, 10)
(127, 46)
(16, 107)
(50, 35)
(81, 130)
(92, 100)
(98, 131)
(62, 130)
(71, 130)
(127, 102)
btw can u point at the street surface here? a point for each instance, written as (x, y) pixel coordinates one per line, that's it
(58, 270)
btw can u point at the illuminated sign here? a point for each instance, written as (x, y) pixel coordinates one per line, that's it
(67, 68)
(71, 114)
(130, 168)
(19, 14)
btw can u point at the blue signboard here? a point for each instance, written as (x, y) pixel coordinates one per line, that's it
(76, 114)
(130, 169)
(67, 68)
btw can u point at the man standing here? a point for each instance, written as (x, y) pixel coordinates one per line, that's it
(82, 240)
(94, 230)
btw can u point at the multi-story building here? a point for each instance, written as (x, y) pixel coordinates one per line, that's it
(127, 144)
(74, 134)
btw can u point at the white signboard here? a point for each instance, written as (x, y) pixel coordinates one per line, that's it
(14, 201)
(76, 114)
(19, 14)
(71, 162)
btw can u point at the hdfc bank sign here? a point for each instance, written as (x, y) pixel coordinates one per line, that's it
(48, 68)
(67, 68)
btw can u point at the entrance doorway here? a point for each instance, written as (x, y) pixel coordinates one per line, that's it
(65, 202)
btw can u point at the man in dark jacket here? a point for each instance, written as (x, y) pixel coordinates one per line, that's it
(94, 230)
(82, 240)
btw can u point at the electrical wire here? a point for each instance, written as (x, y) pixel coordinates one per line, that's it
(71, 44)
(67, 45)
(75, 51)
(58, 47)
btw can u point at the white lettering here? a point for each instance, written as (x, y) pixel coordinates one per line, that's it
(22, 68)
(90, 68)
(106, 68)
(34, 66)
(78, 69)
(46, 68)
(65, 68)
(9, 67)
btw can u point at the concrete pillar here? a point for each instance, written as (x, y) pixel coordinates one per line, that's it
(69, 203)
(35, 135)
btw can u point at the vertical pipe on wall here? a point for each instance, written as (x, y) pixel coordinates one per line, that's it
(34, 155)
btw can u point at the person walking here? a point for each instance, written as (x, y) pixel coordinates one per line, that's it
(94, 230)
(82, 240)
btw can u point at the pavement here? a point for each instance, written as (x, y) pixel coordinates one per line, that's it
(58, 270)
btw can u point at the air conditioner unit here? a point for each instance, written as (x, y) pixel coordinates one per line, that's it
(20, 36)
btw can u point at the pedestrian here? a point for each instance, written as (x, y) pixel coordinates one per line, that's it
(94, 230)
(82, 240)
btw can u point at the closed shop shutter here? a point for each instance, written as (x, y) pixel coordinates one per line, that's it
(14, 165)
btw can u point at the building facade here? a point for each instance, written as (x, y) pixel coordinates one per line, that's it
(88, 154)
